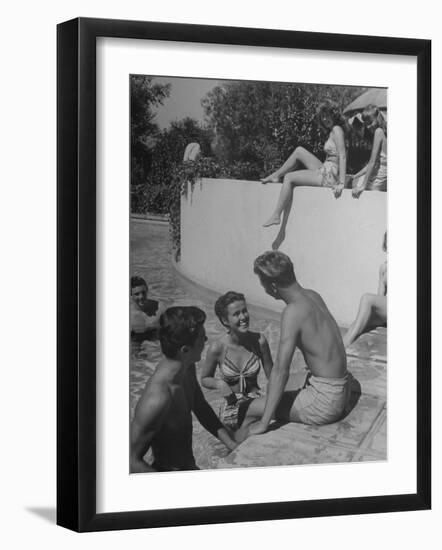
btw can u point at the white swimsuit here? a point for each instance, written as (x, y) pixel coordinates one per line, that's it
(329, 171)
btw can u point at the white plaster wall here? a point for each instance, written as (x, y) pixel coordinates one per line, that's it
(335, 244)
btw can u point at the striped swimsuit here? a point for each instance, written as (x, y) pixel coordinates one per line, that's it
(234, 374)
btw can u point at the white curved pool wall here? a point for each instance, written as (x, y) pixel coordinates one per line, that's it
(335, 244)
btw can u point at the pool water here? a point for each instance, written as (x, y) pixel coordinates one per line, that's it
(151, 258)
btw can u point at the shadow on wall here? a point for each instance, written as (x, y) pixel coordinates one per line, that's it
(335, 244)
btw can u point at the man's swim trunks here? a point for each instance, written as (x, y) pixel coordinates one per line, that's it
(322, 400)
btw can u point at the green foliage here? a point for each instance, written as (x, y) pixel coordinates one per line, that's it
(185, 173)
(251, 127)
(262, 122)
(144, 96)
(168, 152)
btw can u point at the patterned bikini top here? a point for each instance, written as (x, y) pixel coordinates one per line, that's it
(233, 374)
(331, 150)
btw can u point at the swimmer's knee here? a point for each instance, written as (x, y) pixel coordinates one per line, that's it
(290, 179)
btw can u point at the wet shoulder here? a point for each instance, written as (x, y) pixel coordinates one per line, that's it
(296, 312)
(316, 301)
(338, 130)
(217, 347)
(156, 395)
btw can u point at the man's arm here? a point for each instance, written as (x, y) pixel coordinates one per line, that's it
(290, 328)
(149, 416)
(206, 416)
(375, 151)
(338, 134)
(266, 355)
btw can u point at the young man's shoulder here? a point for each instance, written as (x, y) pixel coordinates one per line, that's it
(217, 346)
(155, 399)
(296, 310)
(157, 384)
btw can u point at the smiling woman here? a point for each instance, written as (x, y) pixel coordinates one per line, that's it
(239, 355)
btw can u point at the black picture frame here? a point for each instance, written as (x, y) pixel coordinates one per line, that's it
(76, 273)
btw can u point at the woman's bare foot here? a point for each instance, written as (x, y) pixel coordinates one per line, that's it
(274, 220)
(273, 178)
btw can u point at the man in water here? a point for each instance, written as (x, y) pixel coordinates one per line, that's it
(163, 419)
(306, 323)
(144, 313)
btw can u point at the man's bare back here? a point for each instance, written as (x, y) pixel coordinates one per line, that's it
(305, 323)
(172, 440)
(163, 419)
(319, 338)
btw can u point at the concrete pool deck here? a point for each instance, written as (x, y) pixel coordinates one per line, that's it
(360, 436)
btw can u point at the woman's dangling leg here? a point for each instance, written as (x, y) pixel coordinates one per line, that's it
(301, 178)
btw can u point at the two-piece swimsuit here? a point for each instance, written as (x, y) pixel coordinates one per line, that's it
(329, 171)
(242, 375)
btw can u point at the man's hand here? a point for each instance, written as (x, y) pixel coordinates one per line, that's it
(226, 437)
(257, 428)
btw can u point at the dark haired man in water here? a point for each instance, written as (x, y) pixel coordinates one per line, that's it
(308, 324)
(144, 312)
(163, 419)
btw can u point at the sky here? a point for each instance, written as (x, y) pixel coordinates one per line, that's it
(184, 100)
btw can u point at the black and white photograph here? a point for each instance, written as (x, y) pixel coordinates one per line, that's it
(209, 213)
(258, 273)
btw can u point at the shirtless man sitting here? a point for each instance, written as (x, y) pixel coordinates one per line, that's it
(306, 323)
(163, 419)
(144, 313)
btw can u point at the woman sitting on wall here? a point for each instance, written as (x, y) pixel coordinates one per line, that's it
(239, 356)
(373, 177)
(372, 311)
(303, 168)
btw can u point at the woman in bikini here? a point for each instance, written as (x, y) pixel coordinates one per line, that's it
(239, 356)
(372, 311)
(303, 168)
(373, 177)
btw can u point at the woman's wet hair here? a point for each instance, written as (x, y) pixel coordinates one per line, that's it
(223, 303)
(275, 267)
(372, 115)
(179, 326)
(331, 109)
